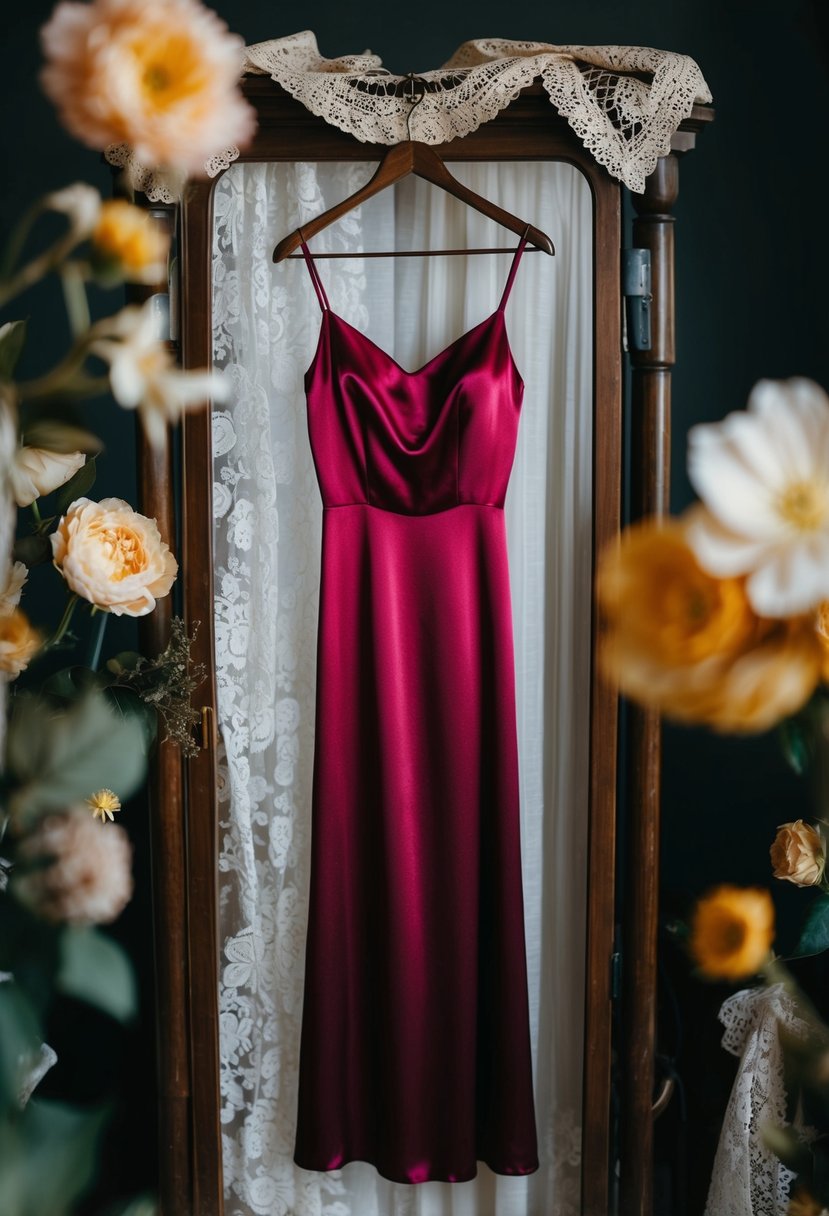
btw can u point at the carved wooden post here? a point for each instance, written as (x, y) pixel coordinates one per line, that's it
(650, 470)
(165, 796)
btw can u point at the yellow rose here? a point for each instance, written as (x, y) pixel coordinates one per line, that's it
(798, 854)
(19, 641)
(732, 932)
(36, 471)
(113, 557)
(689, 644)
(127, 240)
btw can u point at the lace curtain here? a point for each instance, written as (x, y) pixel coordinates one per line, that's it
(267, 541)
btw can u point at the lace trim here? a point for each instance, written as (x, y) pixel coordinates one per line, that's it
(625, 122)
(747, 1179)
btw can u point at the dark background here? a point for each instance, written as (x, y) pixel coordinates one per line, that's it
(751, 302)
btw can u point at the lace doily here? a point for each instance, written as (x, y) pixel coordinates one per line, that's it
(626, 122)
(747, 1179)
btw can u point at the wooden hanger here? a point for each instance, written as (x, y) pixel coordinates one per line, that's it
(412, 156)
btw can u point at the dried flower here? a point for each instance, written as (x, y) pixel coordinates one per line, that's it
(113, 557)
(36, 471)
(103, 805)
(763, 475)
(19, 642)
(81, 205)
(143, 374)
(15, 582)
(127, 243)
(798, 854)
(690, 644)
(167, 683)
(732, 932)
(159, 75)
(88, 880)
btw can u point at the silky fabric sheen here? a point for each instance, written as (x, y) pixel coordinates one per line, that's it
(415, 1050)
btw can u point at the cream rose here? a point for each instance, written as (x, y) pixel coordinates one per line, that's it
(19, 641)
(88, 880)
(36, 471)
(798, 854)
(113, 557)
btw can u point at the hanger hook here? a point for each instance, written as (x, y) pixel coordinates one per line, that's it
(416, 93)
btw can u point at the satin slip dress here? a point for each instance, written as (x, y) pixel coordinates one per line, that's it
(415, 1047)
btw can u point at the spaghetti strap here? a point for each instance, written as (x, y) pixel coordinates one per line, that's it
(315, 278)
(512, 271)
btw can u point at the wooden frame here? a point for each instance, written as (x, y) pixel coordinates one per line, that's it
(184, 813)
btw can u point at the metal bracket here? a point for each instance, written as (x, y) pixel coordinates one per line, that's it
(636, 288)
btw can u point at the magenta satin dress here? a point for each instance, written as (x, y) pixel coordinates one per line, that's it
(415, 1050)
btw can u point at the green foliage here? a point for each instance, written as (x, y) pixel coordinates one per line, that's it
(19, 1047)
(57, 435)
(814, 936)
(48, 1153)
(795, 743)
(94, 968)
(12, 341)
(57, 756)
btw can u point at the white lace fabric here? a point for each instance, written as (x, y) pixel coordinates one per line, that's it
(747, 1179)
(625, 121)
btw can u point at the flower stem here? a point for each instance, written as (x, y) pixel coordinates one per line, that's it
(75, 298)
(36, 512)
(96, 639)
(65, 620)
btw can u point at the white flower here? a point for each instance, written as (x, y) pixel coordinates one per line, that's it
(15, 582)
(36, 471)
(80, 203)
(143, 375)
(763, 475)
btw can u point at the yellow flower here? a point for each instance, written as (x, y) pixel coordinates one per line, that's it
(822, 629)
(732, 932)
(112, 556)
(690, 645)
(127, 242)
(159, 75)
(103, 805)
(802, 1203)
(798, 854)
(19, 642)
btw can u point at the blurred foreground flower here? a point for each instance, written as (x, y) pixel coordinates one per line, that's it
(798, 854)
(80, 203)
(802, 1203)
(732, 932)
(128, 244)
(19, 642)
(87, 882)
(113, 557)
(143, 374)
(691, 644)
(103, 805)
(36, 471)
(159, 75)
(763, 475)
(15, 582)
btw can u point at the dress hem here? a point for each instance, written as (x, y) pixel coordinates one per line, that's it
(502, 1171)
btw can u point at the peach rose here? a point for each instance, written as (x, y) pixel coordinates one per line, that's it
(113, 557)
(19, 641)
(159, 75)
(88, 880)
(36, 471)
(798, 854)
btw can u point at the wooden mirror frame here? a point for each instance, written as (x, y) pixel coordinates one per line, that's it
(183, 795)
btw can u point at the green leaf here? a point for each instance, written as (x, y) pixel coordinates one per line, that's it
(795, 745)
(126, 660)
(786, 1145)
(77, 486)
(57, 756)
(814, 936)
(70, 683)
(12, 341)
(130, 705)
(32, 550)
(95, 969)
(57, 436)
(49, 1156)
(19, 1046)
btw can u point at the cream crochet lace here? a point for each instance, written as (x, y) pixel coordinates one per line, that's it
(626, 122)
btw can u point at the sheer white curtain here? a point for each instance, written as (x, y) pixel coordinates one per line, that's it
(267, 537)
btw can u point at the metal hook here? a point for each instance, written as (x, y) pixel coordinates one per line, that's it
(415, 95)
